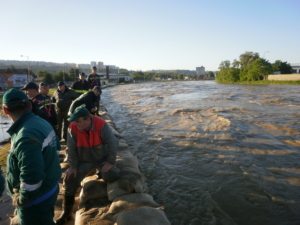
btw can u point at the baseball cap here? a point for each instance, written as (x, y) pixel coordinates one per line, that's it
(80, 111)
(14, 96)
(60, 83)
(30, 85)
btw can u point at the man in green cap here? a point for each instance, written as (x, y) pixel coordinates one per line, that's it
(91, 145)
(33, 169)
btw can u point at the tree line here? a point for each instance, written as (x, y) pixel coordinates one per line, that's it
(250, 67)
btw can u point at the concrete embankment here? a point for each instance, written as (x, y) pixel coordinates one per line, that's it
(122, 202)
(285, 77)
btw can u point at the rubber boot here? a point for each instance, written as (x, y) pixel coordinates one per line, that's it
(68, 203)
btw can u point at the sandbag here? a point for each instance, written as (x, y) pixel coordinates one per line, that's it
(92, 189)
(131, 201)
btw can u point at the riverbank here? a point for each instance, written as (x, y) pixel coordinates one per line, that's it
(264, 82)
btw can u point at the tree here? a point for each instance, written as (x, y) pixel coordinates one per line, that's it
(283, 67)
(46, 77)
(139, 75)
(228, 74)
(224, 64)
(255, 70)
(247, 58)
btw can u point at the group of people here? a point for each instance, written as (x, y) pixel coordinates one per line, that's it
(33, 169)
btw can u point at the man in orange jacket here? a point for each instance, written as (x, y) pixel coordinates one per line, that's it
(91, 145)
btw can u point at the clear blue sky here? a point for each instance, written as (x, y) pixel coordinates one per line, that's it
(152, 34)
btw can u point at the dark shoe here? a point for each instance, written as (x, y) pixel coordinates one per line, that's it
(68, 203)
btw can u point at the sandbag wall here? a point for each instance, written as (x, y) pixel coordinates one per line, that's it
(122, 202)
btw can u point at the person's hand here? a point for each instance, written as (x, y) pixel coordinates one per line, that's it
(71, 172)
(106, 167)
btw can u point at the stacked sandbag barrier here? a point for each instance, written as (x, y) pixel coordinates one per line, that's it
(122, 202)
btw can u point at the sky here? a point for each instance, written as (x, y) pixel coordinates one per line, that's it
(149, 34)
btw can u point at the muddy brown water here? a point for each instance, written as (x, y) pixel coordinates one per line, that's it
(212, 153)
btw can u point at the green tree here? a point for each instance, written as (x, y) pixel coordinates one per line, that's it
(224, 64)
(139, 75)
(73, 74)
(255, 70)
(282, 67)
(247, 57)
(59, 76)
(46, 77)
(228, 74)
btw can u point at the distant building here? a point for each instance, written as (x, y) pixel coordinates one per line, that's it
(296, 67)
(19, 80)
(100, 65)
(200, 71)
(93, 63)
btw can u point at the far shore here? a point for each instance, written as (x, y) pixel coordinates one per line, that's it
(260, 82)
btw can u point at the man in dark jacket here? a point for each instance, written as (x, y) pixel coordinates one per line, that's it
(94, 78)
(82, 83)
(63, 98)
(91, 145)
(33, 169)
(90, 99)
(48, 104)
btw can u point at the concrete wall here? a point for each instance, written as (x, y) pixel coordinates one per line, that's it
(292, 77)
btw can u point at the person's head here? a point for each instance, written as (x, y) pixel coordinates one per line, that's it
(94, 69)
(44, 88)
(82, 76)
(96, 90)
(32, 89)
(81, 116)
(61, 86)
(15, 102)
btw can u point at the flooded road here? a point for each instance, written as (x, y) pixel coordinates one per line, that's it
(215, 154)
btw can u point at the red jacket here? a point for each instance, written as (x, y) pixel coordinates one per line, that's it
(94, 146)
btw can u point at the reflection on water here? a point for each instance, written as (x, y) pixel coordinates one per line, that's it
(5, 123)
(215, 154)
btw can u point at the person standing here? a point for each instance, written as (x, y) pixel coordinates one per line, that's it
(63, 98)
(32, 91)
(48, 104)
(94, 78)
(90, 99)
(82, 83)
(33, 169)
(91, 145)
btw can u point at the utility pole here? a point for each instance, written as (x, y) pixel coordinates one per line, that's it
(28, 66)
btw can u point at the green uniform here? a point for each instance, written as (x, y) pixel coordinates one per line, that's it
(63, 101)
(33, 169)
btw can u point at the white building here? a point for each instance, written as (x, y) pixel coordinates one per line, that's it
(200, 70)
(100, 65)
(19, 80)
(93, 63)
(296, 67)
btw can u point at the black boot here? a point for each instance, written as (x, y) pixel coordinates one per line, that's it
(68, 203)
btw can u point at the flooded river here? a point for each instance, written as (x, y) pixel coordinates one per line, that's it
(215, 154)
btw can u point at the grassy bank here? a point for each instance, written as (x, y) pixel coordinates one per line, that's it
(264, 82)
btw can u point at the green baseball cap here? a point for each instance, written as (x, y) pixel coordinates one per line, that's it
(80, 111)
(14, 96)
